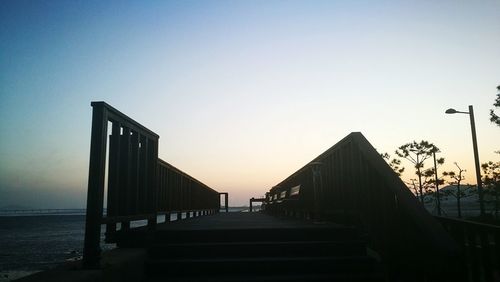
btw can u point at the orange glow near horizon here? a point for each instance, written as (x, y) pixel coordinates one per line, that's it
(241, 95)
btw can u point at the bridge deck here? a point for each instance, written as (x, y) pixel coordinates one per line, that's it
(247, 247)
(241, 220)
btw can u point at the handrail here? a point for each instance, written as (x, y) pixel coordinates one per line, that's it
(179, 191)
(139, 184)
(352, 183)
(480, 243)
(173, 168)
(470, 223)
(116, 115)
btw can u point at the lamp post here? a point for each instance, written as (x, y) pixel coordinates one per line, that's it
(476, 154)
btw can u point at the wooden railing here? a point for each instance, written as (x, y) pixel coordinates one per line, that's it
(140, 186)
(350, 183)
(480, 248)
(180, 193)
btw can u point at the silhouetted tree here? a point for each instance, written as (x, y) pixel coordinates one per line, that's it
(417, 153)
(493, 117)
(414, 186)
(491, 180)
(456, 179)
(394, 163)
(432, 181)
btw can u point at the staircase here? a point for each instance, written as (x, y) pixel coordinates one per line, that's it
(305, 253)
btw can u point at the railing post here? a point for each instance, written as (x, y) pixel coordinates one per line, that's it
(220, 205)
(317, 189)
(95, 192)
(113, 176)
(227, 201)
(153, 187)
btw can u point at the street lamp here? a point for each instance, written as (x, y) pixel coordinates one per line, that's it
(476, 154)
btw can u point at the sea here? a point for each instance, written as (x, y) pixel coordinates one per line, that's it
(32, 241)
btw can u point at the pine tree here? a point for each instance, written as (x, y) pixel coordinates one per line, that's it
(493, 117)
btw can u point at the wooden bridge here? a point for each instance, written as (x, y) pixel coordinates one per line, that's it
(344, 216)
(256, 247)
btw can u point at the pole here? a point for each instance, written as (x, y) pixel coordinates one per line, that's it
(437, 185)
(476, 161)
(95, 191)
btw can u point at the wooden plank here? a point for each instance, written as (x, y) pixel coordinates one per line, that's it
(243, 220)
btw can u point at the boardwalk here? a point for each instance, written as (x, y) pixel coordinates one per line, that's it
(257, 247)
(242, 221)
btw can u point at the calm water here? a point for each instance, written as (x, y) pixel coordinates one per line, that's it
(29, 243)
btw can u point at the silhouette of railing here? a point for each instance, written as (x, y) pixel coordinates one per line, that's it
(255, 200)
(481, 248)
(350, 183)
(180, 193)
(140, 186)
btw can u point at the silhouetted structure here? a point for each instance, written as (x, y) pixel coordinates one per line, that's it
(345, 216)
(226, 201)
(255, 200)
(350, 183)
(140, 186)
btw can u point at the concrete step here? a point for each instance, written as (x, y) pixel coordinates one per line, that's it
(261, 266)
(258, 249)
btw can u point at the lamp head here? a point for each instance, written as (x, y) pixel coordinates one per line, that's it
(451, 111)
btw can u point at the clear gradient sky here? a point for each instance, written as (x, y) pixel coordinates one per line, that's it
(242, 93)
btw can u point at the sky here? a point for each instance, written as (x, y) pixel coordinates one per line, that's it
(242, 93)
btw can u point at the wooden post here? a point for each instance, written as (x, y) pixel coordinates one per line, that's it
(317, 188)
(124, 177)
(153, 187)
(113, 177)
(227, 201)
(95, 192)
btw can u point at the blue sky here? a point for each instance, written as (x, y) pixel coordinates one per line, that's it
(242, 93)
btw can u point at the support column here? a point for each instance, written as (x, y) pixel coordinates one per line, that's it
(95, 192)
